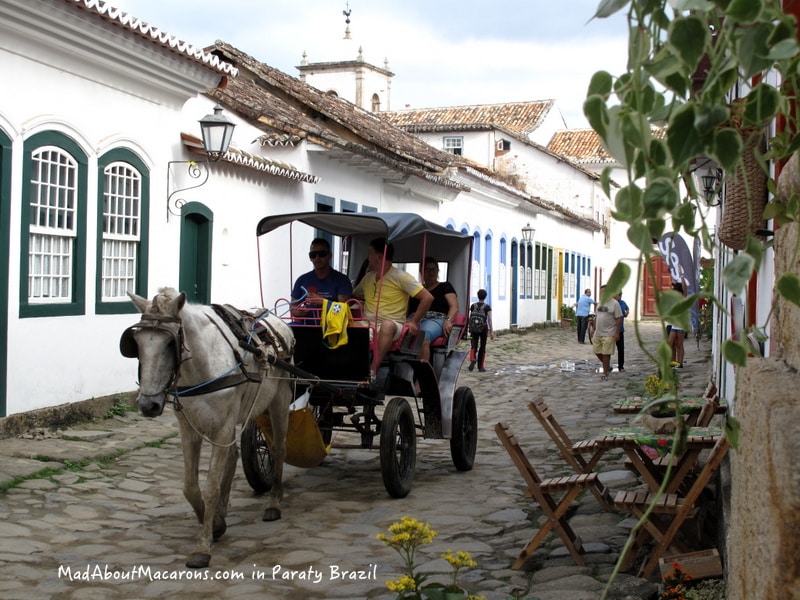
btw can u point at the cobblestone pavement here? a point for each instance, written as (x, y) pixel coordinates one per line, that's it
(104, 516)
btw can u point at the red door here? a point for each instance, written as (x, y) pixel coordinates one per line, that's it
(663, 280)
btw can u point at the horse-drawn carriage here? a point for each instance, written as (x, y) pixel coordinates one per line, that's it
(351, 395)
(219, 366)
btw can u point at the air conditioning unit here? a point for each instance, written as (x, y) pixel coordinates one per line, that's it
(503, 145)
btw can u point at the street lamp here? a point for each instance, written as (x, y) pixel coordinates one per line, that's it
(216, 131)
(711, 188)
(527, 233)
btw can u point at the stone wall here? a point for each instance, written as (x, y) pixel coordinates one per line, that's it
(763, 546)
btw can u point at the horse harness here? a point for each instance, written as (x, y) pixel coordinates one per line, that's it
(262, 340)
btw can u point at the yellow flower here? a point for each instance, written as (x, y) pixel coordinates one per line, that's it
(408, 533)
(459, 560)
(402, 584)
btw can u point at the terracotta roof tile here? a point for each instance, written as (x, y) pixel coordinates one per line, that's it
(289, 110)
(286, 105)
(580, 146)
(517, 117)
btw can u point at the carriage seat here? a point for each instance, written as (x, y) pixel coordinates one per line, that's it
(411, 345)
(456, 333)
(407, 344)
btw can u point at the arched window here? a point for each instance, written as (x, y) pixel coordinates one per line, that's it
(477, 275)
(487, 265)
(123, 205)
(53, 227)
(502, 281)
(376, 103)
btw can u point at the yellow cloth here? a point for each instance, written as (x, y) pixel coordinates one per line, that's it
(304, 445)
(335, 318)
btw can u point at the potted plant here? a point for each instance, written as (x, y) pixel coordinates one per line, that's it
(567, 316)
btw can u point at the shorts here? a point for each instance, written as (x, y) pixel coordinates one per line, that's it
(604, 345)
(433, 328)
(398, 329)
(369, 323)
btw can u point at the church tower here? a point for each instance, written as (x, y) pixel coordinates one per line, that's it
(357, 81)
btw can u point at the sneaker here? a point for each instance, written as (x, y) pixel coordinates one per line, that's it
(472, 365)
(621, 370)
(481, 370)
(604, 378)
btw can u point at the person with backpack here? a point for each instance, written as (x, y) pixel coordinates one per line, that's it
(480, 327)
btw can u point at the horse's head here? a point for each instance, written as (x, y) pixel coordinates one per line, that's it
(157, 341)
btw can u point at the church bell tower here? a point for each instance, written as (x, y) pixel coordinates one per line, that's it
(355, 80)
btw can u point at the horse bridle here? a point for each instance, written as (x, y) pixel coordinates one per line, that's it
(168, 324)
(174, 327)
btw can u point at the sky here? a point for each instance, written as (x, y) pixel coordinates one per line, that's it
(442, 52)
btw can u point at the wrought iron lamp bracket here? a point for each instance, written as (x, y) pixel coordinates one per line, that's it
(197, 171)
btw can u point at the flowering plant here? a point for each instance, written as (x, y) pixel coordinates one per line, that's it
(675, 584)
(656, 386)
(406, 535)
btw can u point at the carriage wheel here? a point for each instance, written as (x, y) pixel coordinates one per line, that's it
(398, 448)
(257, 462)
(464, 441)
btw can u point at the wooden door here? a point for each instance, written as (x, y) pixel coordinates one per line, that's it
(663, 280)
(195, 260)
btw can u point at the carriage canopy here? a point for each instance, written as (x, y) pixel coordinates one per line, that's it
(413, 239)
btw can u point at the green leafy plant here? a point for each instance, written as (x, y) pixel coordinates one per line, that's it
(673, 110)
(405, 537)
(704, 84)
(567, 312)
(119, 409)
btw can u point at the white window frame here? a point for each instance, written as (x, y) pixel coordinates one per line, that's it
(53, 227)
(122, 207)
(454, 144)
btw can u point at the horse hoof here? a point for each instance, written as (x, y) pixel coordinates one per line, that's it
(198, 560)
(219, 530)
(271, 514)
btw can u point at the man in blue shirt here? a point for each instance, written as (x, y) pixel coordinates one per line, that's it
(621, 341)
(323, 282)
(584, 307)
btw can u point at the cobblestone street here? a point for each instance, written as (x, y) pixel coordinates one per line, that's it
(107, 518)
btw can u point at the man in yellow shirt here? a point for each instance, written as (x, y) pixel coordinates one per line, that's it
(385, 290)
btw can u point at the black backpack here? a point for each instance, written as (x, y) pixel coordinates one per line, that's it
(477, 318)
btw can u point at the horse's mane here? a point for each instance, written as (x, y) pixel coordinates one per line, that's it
(161, 302)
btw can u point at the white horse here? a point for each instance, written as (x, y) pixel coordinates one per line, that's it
(189, 352)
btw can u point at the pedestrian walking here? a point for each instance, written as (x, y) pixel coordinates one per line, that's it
(609, 319)
(621, 341)
(583, 308)
(480, 328)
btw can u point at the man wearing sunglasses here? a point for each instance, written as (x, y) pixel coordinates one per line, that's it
(323, 282)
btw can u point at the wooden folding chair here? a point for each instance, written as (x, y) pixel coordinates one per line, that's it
(710, 408)
(572, 453)
(669, 511)
(541, 490)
